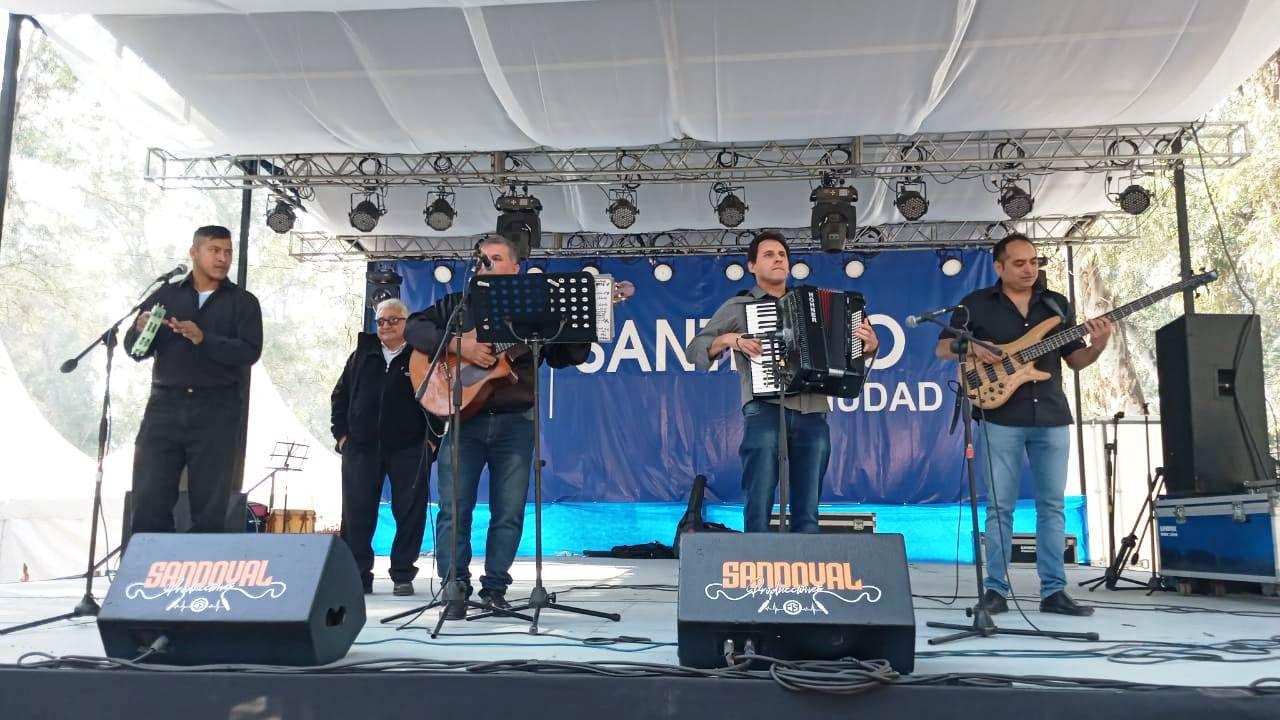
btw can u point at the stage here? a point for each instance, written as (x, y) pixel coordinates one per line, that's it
(1143, 640)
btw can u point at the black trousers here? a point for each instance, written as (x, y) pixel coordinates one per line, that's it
(363, 470)
(191, 427)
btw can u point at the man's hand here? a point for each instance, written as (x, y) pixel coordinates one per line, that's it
(983, 354)
(735, 341)
(187, 329)
(867, 334)
(141, 322)
(477, 353)
(1099, 331)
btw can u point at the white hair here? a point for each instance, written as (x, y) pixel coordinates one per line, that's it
(394, 303)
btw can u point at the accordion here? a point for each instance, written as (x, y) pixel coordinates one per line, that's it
(814, 348)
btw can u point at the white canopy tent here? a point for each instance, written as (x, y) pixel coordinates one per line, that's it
(286, 76)
(212, 77)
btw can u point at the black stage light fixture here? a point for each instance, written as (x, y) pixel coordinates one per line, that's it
(1134, 199)
(1015, 200)
(911, 201)
(518, 220)
(382, 282)
(623, 211)
(281, 217)
(834, 218)
(730, 209)
(439, 213)
(364, 215)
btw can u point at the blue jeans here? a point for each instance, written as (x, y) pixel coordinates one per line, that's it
(809, 449)
(504, 442)
(1001, 452)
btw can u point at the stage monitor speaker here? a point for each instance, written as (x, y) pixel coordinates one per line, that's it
(237, 514)
(795, 596)
(234, 598)
(1213, 419)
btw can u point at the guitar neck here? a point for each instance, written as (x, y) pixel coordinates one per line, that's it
(1066, 337)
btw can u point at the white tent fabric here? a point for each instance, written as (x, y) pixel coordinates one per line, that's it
(284, 76)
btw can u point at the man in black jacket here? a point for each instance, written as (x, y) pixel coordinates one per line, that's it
(381, 432)
(212, 334)
(500, 436)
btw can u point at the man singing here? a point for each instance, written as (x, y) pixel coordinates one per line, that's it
(1030, 425)
(808, 437)
(500, 436)
(212, 334)
(381, 432)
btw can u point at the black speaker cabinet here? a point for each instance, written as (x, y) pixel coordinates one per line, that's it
(278, 599)
(1213, 418)
(793, 596)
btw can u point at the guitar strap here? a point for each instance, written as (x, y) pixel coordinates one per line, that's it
(1054, 305)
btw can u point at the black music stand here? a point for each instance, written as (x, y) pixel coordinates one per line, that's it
(285, 457)
(536, 310)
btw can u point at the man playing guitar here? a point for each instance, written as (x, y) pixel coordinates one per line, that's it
(1032, 423)
(499, 434)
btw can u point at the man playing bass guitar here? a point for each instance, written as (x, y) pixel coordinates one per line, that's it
(1031, 423)
(498, 433)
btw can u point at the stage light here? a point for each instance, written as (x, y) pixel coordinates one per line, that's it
(382, 282)
(281, 218)
(534, 270)
(1134, 199)
(662, 272)
(591, 268)
(734, 271)
(833, 219)
(730, 209)
(1014, 200)
(443, 274)
(950, 263)
(365, 214)
(623, 211)
(439, 213)
(518, 220)
(800, 270)
(911, 201)
(855, 268)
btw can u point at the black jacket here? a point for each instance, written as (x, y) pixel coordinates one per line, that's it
(231, 321)
(425, 329)
(373, 404)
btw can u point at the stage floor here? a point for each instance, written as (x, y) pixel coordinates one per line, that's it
(1121, 617)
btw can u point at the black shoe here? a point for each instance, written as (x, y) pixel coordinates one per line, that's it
(1061, 604)
(368, 588)
(402, 588)
(994, 603)
(495, 599)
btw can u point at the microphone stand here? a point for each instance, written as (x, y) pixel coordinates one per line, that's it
(983, 625)
(88, 605)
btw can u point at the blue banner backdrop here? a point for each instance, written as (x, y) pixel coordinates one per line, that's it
(627, 430)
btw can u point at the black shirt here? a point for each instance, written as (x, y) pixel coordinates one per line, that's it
(993, 317)
(424, 329)
(231, 321)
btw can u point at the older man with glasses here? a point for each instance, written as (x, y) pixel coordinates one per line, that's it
(381, 433)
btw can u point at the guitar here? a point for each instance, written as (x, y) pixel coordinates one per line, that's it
(990, 385)
(478, 383)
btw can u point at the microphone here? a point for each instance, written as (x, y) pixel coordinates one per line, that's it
(180, 270)
(483, 259)
(915, 320)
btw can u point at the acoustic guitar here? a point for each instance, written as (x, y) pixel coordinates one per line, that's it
(989, 385)
(478, 383)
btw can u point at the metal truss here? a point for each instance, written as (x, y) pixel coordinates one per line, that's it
(1056, 230)
(942, 156)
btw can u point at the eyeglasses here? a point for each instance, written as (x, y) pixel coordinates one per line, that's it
(383, 322)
